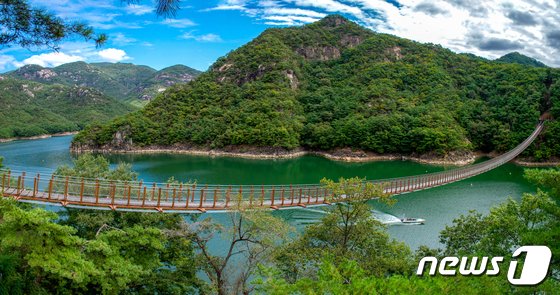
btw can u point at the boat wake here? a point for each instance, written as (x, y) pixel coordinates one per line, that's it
(310, 216)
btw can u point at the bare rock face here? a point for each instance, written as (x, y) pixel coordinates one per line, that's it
(25, 89)
(240, 80)
(294, 82)
(394, 53)
(121, 140)
(319, 53)
(225, 67)
(334, 21)
(351, 41)
(169, 80)
(42, 74)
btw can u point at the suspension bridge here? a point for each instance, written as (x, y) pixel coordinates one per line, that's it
(169, 197)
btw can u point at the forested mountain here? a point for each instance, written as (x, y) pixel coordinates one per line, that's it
(333, 84)
(122, 81)
(518, 58)
(32, 108)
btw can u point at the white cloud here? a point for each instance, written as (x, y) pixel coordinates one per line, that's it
(138, 9)
(209, 38)
(230, 5)
(202, 38)
(116, 25)
(332, 6)
(293, 11)
(227, 7)
(290, 19)
(241, 5)
(113, 55)
(6, 61)
(179, 22)
(100, 14)
(51, 59)
(121, 39)
(486, 28)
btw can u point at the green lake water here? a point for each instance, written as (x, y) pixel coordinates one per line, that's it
(439, 206)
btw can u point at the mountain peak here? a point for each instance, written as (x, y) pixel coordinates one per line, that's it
(334, 20)
(518, 58)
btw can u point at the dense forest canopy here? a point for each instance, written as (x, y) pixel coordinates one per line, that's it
(30, 108)
(333, 84)
(518, 58)
(38, 100)
(122, 81)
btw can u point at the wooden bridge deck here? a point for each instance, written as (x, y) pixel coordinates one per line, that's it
(127, 196)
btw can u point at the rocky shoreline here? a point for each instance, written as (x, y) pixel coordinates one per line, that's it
(527, 163)
(43, 136)
(343, 155)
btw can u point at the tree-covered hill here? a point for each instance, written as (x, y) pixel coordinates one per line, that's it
(333, 84)
(518, 58)
(122, 81)
(32, 108)
(161, 80)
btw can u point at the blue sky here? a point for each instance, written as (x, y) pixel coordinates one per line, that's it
(203, 30)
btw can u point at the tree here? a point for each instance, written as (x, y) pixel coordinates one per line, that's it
(171, 267)
(31, 27)
(253, 234)
(347, 232)
(40, 256)
(37, 255)
(349, 278)
(549, 179)
(91, 166)
(535, 220)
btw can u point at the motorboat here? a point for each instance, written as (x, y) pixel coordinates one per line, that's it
(409, 220)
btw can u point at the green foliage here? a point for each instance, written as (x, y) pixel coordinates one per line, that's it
(40, 256)
(95, 252)
(121, 81)
(349, 278)
(518, 58)
(533, 221)
(32, 28)
(91, 166)
(546, 178)
(39, 249)
(253, 235)
(31, 109)
(347, 232)
(505, 227)
(333, 84)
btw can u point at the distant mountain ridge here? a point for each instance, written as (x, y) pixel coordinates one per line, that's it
(122, 81)
(518, 58)
(31, 108)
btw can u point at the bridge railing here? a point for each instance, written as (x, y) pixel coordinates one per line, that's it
(76, 191)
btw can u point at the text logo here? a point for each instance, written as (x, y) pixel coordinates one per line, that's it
(534, 271)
